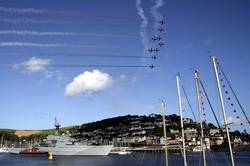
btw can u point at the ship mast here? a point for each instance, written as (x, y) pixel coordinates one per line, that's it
(164, 131)
(181, 109)
(57, 125)
(214, 61)
(197, 81)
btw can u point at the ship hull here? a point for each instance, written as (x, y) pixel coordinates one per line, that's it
(101, 150)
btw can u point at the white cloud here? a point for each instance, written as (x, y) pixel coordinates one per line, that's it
(36, 65)
(232, 120)
(33, 65)
(88, 83)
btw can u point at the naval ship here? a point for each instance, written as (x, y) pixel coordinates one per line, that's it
(59, 144)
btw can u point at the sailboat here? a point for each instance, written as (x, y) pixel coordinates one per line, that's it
(198, 83)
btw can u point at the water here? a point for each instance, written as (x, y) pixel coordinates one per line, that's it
(137, 159)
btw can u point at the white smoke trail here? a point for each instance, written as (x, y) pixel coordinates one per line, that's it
(33, 21)
(31, 11)
(144, 24)
(156, 14)
(26, 21)
(36, 33)
(30, 44)
(20, 11)
(46, 11)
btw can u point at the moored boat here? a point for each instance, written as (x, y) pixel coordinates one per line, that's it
(197, 149)
(4, 150)
(33, 150)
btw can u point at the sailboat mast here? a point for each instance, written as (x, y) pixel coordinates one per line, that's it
(181, 109)
(197, 80)
(214, 61)
(1, 145)
(164, 131)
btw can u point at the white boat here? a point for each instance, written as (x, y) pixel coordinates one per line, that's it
(124, 152)
(120, 152)
(15, 150)
(4, 150)
(197, 149)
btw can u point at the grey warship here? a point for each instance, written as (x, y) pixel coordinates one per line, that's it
(59, 144)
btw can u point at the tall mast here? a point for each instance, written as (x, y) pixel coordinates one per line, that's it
(1, 145)
(181, 109)
(223, 108)
(197, 81)
(164, 131)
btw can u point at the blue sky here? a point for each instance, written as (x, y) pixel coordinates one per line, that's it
(33, 100)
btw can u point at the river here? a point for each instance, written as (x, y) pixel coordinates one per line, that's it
(136, 159)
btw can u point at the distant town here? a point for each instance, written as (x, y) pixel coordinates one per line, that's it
(138, 131)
